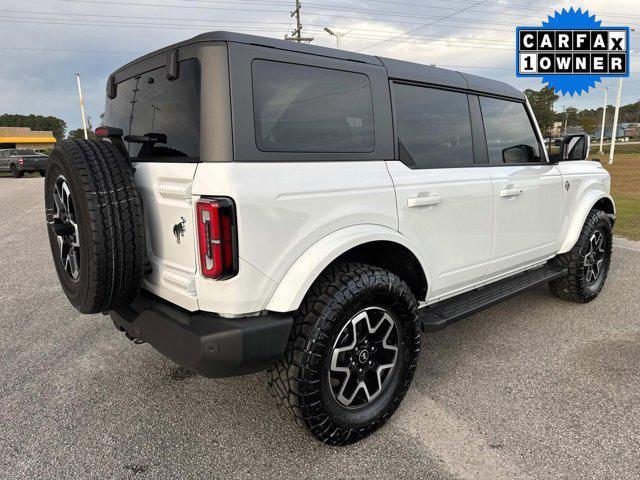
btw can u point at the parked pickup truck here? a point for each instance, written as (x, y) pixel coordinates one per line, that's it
(18, 161)
(311, 211)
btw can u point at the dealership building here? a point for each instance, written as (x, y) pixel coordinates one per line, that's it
(24, 137)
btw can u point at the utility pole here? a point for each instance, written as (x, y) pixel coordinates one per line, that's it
(604, 116)
(566, 114)
(84, 121)
(296, 35)
(614, 129)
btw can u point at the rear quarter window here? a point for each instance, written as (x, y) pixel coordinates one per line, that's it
(299, 108)
(150, 103)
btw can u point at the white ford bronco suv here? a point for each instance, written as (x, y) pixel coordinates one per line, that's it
(260, 204)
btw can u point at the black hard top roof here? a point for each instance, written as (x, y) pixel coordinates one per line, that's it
(396, 69)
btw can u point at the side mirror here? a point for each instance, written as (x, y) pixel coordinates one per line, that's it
(518, 154)
(575, 147)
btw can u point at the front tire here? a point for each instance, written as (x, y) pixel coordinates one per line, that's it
(587, 262)
(351, 355)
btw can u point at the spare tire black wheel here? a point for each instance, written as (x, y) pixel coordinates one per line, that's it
(95, 223)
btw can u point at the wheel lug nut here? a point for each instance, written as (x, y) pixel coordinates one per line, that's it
(370, 363)
(359, 370)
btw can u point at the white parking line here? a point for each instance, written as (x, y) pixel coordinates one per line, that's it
(627, 248)
(465, 452)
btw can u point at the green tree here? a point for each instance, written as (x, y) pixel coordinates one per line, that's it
(588, 121)
(542, 102)
(35, 122)
(78, 133)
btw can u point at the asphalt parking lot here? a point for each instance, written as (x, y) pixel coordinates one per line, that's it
(533, 388)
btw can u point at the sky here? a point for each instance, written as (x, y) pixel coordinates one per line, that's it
(44, 43)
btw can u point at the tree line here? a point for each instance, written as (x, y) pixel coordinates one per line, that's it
(35, 122)
(542, 102)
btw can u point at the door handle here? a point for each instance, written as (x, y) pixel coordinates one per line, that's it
(424, 201)
(510, 192)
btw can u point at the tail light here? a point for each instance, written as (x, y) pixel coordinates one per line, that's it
(217, 238)
(21, 161)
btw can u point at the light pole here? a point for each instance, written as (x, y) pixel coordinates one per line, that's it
(614, 129)
(604, 115)
(336, 34)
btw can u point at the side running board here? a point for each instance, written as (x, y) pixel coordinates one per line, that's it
(441, 314)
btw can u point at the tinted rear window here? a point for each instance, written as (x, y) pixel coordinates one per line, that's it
(150, 103)
(434, 126)
(299, 108)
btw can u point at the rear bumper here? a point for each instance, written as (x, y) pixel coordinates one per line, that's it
(206, 343)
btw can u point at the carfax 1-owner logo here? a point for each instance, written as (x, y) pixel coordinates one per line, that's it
(572, 51)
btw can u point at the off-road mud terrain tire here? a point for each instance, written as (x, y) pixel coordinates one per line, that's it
(107, 209)
(298, 379)
(575, 286)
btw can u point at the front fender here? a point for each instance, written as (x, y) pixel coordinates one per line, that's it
(308, 266)
(586, 203)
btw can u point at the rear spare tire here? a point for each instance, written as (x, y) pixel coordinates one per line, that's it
(95, 224)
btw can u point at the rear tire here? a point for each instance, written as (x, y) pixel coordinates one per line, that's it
(355, 319)
(96, 225)
(15, 173)
(587, 262)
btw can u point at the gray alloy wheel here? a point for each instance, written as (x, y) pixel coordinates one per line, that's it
(363, 357)
(594, 258)
(65, 227)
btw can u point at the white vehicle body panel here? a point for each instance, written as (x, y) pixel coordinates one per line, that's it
(308, 266)
(282, 210)
(453, 235)
(166, 195)
(527, 215)
(293, 224)
(588, 183)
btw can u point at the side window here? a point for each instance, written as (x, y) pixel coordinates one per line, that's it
(434, 126)
(510, 135)
(298, 108)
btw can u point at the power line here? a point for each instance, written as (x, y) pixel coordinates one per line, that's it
(69, 50)
(226, 24)
(204, 24)
(435, 43)
(424, 26)
(323, 13)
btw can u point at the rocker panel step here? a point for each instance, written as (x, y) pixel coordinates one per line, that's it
(441, 314)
